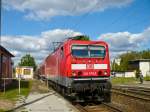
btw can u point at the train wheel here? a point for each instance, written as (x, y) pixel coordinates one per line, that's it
(63, 91)
(107, 97)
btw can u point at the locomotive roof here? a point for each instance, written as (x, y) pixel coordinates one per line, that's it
(70, 39)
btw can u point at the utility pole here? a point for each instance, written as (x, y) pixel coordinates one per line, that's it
(0, 19)
(0, 45)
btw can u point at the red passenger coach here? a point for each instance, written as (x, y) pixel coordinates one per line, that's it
(80, 69)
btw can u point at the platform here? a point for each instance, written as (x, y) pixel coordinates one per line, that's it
(47, 102)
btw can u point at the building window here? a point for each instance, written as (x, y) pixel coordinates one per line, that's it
(27, 72)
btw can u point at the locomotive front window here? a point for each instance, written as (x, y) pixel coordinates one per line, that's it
(88, 51)
(80, 51)
(97, 51)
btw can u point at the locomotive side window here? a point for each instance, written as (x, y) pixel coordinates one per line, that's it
(88, 51)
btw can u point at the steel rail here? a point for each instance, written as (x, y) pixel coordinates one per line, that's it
(95, 109)
(130, 95)
(114, 108)
(137, 92)
(81, 108)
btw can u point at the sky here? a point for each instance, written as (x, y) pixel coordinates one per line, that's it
(30, 26)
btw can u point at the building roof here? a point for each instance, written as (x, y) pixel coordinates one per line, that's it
(24, 66)
(6, 51)
(140, 60)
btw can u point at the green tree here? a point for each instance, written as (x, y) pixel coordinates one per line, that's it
(28, 60)
(145, 54)
(126, 57)
(115, 66)
(81, 37)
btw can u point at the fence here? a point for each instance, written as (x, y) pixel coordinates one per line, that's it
(4, 83)
(19, 84)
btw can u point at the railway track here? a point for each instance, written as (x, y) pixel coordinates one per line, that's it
(139, 89)
(133, 99)
(137, 95)
(135, 92)
(104, 107)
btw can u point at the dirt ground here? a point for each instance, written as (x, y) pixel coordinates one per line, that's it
(6, 104)
(39, 87)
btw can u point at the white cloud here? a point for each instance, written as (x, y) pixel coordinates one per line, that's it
(45, 9)
(38, 46)
(121, 42)
(41, 45)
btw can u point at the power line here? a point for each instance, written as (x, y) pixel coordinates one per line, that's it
(131, 13)
(113, 22)
(123, 16)
(137, 23)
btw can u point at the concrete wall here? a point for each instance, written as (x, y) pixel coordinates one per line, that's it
(145, 68)
(119, 74)
(124, 74)
(129, 74)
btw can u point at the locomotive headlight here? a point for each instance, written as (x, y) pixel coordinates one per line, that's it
(73, 74)
(105, 72)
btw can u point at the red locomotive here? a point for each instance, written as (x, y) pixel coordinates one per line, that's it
(80, 69)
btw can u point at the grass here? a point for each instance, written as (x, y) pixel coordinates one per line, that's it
(147, 78)
(123, 80)
(39, 87)
(1, 110)
(12, 93)
(127, 80)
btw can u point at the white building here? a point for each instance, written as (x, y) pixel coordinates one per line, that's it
(142, 64)
(117, 61)
(24, 72)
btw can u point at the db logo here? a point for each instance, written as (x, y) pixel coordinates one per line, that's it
(89, 66)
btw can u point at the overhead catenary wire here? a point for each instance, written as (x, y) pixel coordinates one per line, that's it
(136, 23)
(117, 20)
(121, 17)
(75, 25)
